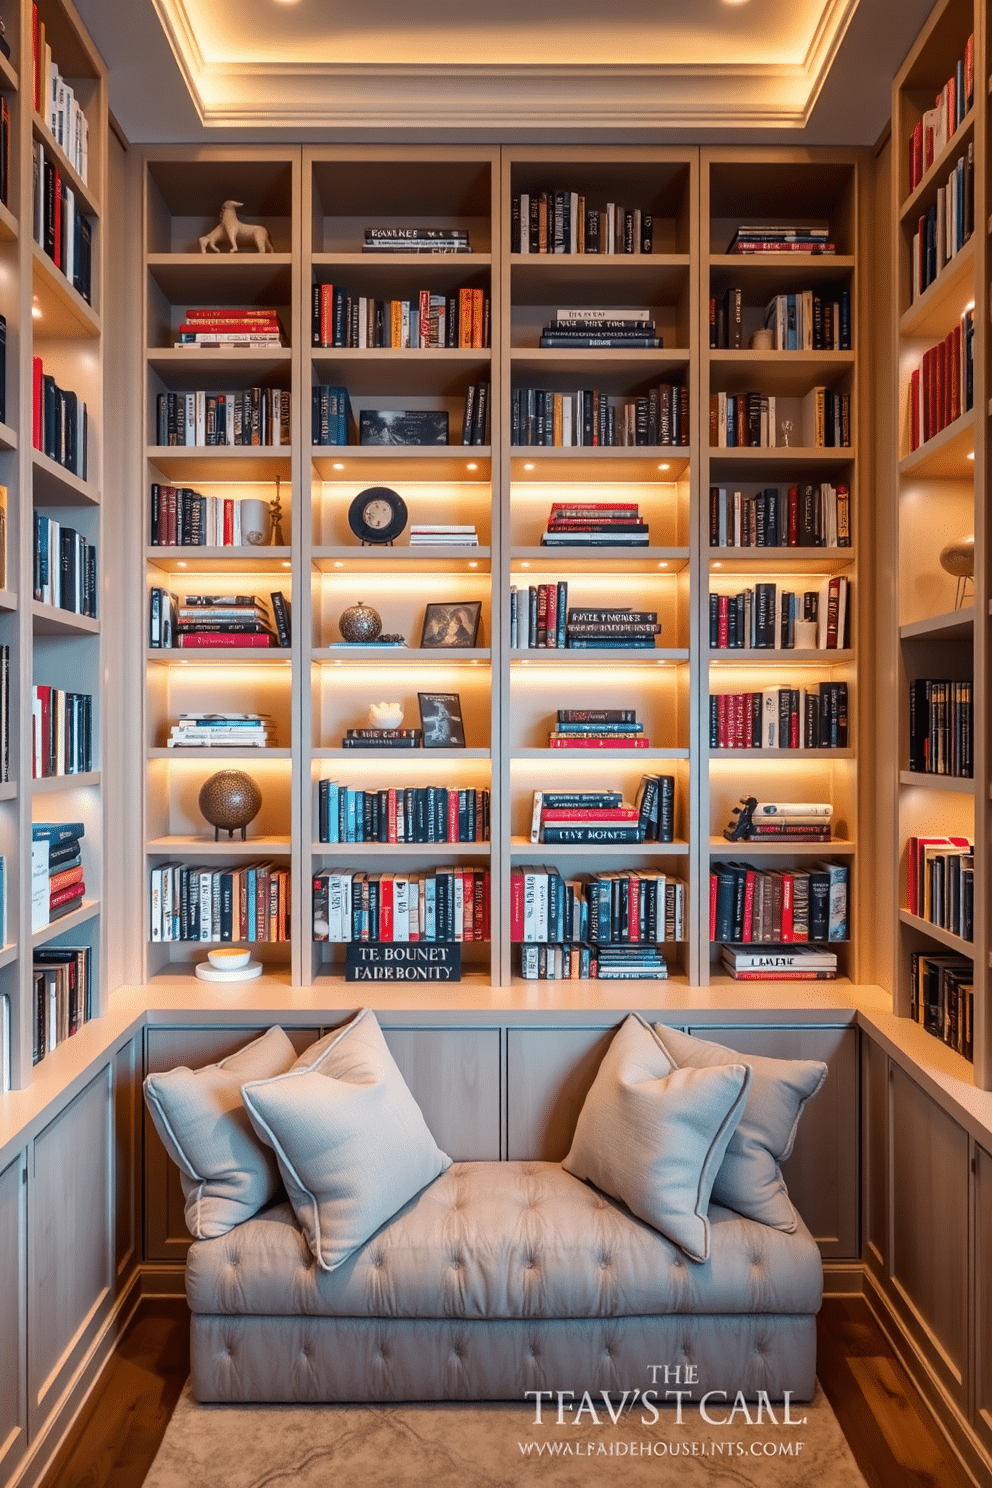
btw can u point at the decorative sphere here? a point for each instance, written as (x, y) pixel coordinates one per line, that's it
(958, 558)
(230, 799)
(359, 622)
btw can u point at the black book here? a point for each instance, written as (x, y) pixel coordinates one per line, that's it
(280, 612)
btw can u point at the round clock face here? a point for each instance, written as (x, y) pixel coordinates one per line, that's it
(377, 515)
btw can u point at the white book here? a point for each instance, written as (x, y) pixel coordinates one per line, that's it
(206, 897)
(459, 903)
(721, 436)
(401, 909)
(772, 439)
(51, 983)
(4, 1044)
(201, 417)
(573, 236)
(771, 809)
(530, 905)
(769, 718)
(69, 219)
(189, 430)
(525, 223)
(335, 894)
(430, 907)
(535, 819)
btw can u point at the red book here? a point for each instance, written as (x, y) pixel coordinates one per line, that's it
(479, 832)
(478, 315)
(65, 878)
(952, 103)
(204, 640)
(391, 824)
(327, 314)
(63, 896)
(478, 905)
(712, 906)
(940, 388)
(954, 380)
(386, 907)
(748, 904)
(516, 904)
(226, 312)
(634, 908)
(793, 516)
(740, 740)
(740, 431)
(788, 904)
(590, 813)
(45, 698)
(37, 374)
(969, 71)
(552, 604)
(452, 815)
(228, 522)
(914, 410)
(486, 922)
(722, 730)
(425, 317)
(639, 743)
(723, 622)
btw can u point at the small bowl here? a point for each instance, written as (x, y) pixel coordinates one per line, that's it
(229, 959)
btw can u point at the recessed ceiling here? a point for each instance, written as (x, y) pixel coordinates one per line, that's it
(529, 68)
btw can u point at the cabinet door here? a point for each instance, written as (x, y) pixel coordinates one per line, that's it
(453, 1074)
(874, 1148)
(822, 1173)
(166, 1235)
(127, 1124)
(13, 1342)
(983, 1296)
(70, 1258)
(549, 1072)
(928, 1156)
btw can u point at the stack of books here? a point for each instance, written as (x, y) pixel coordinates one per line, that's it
(749, 905)
(781, 239)
(205, 326)
(799, 963)
(624, 630)
(617, 728)
(223, 731)
(555, 963)
(595, 524)
(779, 821)
(416, 240)
(548, 623)
(641, 963)
(442, 534)
(62, 1000)
(580, 329)
(57, 886)
(382, 738)
(209, 621)
(653, 813)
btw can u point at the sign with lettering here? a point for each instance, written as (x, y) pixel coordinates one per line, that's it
(414, 961)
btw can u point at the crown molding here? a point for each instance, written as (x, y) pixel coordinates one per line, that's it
(304, 95)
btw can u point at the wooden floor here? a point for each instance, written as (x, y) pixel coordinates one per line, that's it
(891, 1433)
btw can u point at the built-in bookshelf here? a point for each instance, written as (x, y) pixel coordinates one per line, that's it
(940, 349)
(51, 300)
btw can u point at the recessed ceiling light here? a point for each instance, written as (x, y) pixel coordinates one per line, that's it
(528, 467)
(338, 465)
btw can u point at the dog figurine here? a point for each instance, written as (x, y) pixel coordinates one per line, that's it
(232, 228)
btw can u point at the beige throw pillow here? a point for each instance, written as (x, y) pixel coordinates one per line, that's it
(351, 1141)
(227, 1174)
(750, 1180)
(653, 1136)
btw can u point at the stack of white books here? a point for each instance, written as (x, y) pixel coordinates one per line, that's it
(442, 534)
(223, 730)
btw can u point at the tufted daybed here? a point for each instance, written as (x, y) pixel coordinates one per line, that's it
(497, 1279)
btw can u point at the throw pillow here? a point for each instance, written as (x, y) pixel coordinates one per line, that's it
(750, 1180)
(351, 1141)
(653, 1136)
(227, 1174)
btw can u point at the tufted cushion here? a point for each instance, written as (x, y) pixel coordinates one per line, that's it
(227, 1174)
(350, 1140)
(654, 1136)
(750, 1179)
(507, 1240)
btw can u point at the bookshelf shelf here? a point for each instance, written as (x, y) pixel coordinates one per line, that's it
(271, 656)
(925, 194)
(8, 599)
(837, 847)
(433, 265)
(247, 560)
(758, 561)
(437, 559)
(394, 759)
(84, 193)
(935, 932)
(730, 656)
(49, 621)
(62, 311)
(955, 625)
(55, 486)
(780, 756)
(8, 73)
(949, 455)
(778, 464)
(220, 463)
(222, 278)
(426, 850)
(598, 756)
(8, 437)
(8, 222)
(186, 370)
(661, 364)
(961, 785)
(205, 847)
(605, 463)
(50, 785)
(88, 910)
(792, 373)
(768, 274)
(415, 656)
(344, 462)
(202, 756)
(943, 300)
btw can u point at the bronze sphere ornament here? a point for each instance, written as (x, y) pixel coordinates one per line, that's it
(360, 623)
(230, 800)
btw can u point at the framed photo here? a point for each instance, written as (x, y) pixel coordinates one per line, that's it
(441, 720)
(454, 625)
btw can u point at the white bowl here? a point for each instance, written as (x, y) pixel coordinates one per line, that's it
(229, 959)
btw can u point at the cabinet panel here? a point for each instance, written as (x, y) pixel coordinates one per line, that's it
(928, 1153)
(874, 1147)
(70, 1257)
(822, 1173)
(166, 1235)
(549, 1072)
(127, 1092)
(983, 1296)
(13, 1344)
(454, 1076)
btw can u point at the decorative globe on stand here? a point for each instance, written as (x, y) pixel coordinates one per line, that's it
(958, 559)
(230, 800)
(360, 623)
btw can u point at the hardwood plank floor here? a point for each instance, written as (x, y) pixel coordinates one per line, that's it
(891, 1433)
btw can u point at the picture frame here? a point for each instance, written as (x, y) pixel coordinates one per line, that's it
(441, 720)
(451, 625)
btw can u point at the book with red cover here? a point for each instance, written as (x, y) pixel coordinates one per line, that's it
(589, 813)
(37, 395)
(67, 895)
(554, 742)
(204, 640)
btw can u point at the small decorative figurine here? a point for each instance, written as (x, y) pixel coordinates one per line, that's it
(230, 800)
(386, 715)
(359, 622)
(232, 228)
(275, 513)
(958, 559)
(786, 428)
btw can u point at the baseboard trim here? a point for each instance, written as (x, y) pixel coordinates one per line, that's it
(161, 1280)
(843, 1278)
(46, 1446)
(956, 1429)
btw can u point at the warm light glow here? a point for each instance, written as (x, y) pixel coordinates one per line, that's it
(338, 465)
(970, 306)
(471, 465)
(664, 467)
(286, 564)
(36, 310)
(528, 467)
(181, 563)
(525, 564)
(338, 563)
(662, 565)
(971, 454)
(473, 563)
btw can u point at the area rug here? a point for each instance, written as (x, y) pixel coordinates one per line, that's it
(498, 1446)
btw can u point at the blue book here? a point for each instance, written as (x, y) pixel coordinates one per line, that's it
(56, 831)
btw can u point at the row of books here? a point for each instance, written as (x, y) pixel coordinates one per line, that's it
(444, 905)
(781, 718)
(190, 902)
(652, 815)
(443, 535)
(802, 516)
(57, 883)
(941, 882)
(222, 730)
(595, 524)
(56, 101)
(416, 240)
(948, 224)
(426, 813)
(749, 904)
(64, 567)
(806, 320)
(202, 621)
(59, 422)
(563, 222)
(211, 326)
(631, 906)
(63, 995)
(764, 617)
(180, 517)
(940, 727)
(252, 416)
(61, 732)
(799, 963)
(547, 622)
(567, 734)
(339, 319)
(942, 998)
(778, 238)
(942, 387)
(571, 962)
(581, 329)
(936, 125)
(61, 227)
(590, 417)
(751, 420)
